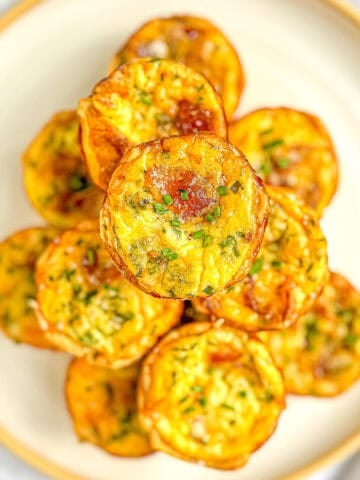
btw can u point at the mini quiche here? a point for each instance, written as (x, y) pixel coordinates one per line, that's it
(194, 41)
(141, 101)
(320, 354)
(287, 276)
(292, 149)
(55, 175)
(210, 394)
(18, 255)
(90, 310)
(102, 404)
(184, 216)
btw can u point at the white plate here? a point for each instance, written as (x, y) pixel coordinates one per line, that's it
(299, 53)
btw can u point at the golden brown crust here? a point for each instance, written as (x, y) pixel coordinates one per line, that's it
(194, 41)
(287, 276)
(56, 180)
(290, 148)
(320, 354)
(141, 101)
(209, 394)
(184, 216)
(18, 255)
(102, 404)
(90, 310)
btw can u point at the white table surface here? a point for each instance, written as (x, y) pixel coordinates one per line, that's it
(11, 468)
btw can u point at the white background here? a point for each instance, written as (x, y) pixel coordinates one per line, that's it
(12, 468)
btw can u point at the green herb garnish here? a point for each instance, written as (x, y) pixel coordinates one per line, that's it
(256, 266)
(209, 218)
(227, 406)
(90, 256)
(217, 211)
(207, 240)
(145, 100)
(276, 263)
(197, 388)
(283, 162)
(159, 208)
(198, 234)
(169, 254)
(273, 144)
(184, 195)
(78, 183)
(209, 290)
(202, 401)
(175, 222)
(222, 190)
(167, 198)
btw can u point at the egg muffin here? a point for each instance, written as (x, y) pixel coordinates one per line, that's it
(184, 216)
(194, 41)
(320, 354)
(90, 310)
(102, 404)
(287, 276)
(209, 394)
(55, 176)
(141, 101)
(292, 149)
(18, 255)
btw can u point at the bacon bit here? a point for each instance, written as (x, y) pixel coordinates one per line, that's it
(224, 356)
(172, 182)
(192, 119)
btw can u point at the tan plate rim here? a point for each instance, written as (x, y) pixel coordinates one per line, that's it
(343, 450)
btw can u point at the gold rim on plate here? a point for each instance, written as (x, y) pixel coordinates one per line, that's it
(344, 449)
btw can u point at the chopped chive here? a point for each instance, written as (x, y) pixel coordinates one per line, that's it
(266, 131)
(207, 240)
(197, 388)
(242, 394)
(184, 195)
(183, 399)
(240, 234)
(198, 234)
(217, 211)
(209, 290)
(175, 222)
(78, 183)
(276, 263)
(266, 167)
(167, 198)
(159, 208)
(227, 406)
(169, 254)
(283, 162)
(350, 340)
(256, 266)
(209, 218)
(222, 191)
(145, 100)
(202, 401)
(90, 256)
(235, 186)
(188, 410)
(273, 144)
